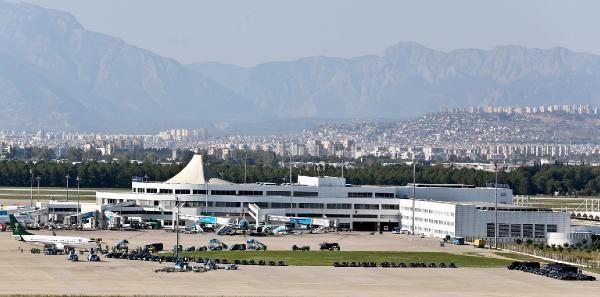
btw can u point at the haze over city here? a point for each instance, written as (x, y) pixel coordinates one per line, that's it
(230, 66)
(247, 33)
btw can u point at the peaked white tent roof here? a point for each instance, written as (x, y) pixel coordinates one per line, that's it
(193, 173)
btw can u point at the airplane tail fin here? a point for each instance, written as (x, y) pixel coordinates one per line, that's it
(17, 228)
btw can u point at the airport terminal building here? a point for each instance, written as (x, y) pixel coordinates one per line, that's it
(440, 210)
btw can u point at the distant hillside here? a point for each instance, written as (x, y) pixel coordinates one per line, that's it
(410, 79)
(466, 129)
(54, 74)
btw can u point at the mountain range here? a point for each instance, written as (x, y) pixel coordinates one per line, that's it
(56, 75)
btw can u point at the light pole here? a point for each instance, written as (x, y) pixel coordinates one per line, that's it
(205, 197)
(31, 188)
(496, 206)
(78, 205)
(414, 194)
(177, 228)
(67, 177)
(245, 165)
(38, 187)
(291, 188)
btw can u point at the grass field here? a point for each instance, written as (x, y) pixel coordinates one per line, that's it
(50, 193)
(325, 258)
(516, 257)
(555, 202)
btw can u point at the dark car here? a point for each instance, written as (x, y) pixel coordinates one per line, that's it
(331, 246)
(238, 247)
(300, 248)
(154, 247)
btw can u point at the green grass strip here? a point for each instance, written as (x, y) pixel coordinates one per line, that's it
(326, 258)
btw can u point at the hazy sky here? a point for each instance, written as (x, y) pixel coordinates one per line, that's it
(249, 32)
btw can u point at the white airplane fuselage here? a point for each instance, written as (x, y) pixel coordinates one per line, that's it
(60, 242)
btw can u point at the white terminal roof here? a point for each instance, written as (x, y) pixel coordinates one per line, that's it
(194, 173)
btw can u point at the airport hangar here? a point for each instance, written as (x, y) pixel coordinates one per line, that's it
(440, 210)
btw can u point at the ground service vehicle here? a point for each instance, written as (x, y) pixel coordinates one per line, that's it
(216, 245)
(458, 240)
(256, 245)
(154, 247)
(238, 247)
(479, 243)
(73, 257)
(331, 246)
(50, 250)
(304, 248)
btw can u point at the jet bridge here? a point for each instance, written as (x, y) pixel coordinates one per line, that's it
(277, 215)
(114, 220)
(198, 220)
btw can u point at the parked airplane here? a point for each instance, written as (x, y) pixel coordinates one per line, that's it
(58, 242)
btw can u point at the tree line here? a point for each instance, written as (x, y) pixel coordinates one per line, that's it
(548, 179)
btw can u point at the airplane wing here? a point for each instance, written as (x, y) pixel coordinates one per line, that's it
(39, 243)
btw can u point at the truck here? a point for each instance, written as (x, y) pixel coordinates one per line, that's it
(458, 240)
(216, 245)
(256, 245)
(331, 246)
(479, 243)
(154, 247)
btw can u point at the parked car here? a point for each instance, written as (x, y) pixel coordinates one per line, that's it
(303, 248)
(238, 247)
(331, 246)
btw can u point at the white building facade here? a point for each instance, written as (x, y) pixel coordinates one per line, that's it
(455, 210)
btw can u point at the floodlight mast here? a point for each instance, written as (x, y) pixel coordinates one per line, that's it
(177, 227)
(414, 194)
(496, 206)
(291, 187)
(31, 189)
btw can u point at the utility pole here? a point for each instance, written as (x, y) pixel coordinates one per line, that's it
(414, 195)
(496, 206)
(342, 168)
(67, 177)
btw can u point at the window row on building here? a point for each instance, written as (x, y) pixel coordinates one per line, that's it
(257, 193)
(521, 230)
(430, 211)
(369, 195)
(274, 205)
(408, 219)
